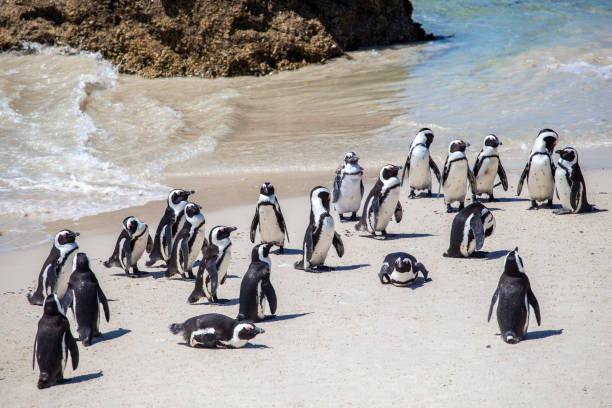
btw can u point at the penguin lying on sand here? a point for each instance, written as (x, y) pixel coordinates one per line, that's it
(401, 269)
(215, 330)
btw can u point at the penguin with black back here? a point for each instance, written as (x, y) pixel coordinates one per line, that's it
(256, 288)
(53, 343)
(470, 228)
(214, 330)
(84, 296)
(569, 184)
(401, 269)
(515, 297)
(131, 244)
(188, 243)
(62, 252)
(168, 225)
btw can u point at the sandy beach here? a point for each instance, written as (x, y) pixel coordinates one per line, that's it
(340, 338)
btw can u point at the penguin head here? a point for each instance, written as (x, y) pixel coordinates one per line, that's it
(267, 189)
(351, 157)
(403, 264)
(261, 252)
(457, 145)
(130, 225)
(81, 263)
(491, 141)
(425, 136)
(568, 156)
(546, 141)
(219, 235)
(176, 196)
(514, 264)
(319, 196)
(52, 306)
(247, 330)
(65, 237)
(193, 214)
(389, 171)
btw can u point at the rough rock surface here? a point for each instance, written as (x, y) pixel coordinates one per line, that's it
(209, 38)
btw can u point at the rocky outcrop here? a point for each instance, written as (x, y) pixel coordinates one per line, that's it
(209, 38)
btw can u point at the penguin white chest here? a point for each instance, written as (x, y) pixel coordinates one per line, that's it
(326, 236)
(540, 180)
(420, 174)
(350, 194)
(63, 276)
(139, 247)
(222, 270)
(268, 226)
(486, 175)
(563, 189)
(387, 208)
(455, 186)
(402, 278)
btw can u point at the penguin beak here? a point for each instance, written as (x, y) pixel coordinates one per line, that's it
(558, 151)
(189, 192)
(467, 144)
(231, 229)
(499, 143)
(259, 330)
(76, 234)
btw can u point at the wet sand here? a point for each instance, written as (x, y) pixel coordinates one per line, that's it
(340, 338)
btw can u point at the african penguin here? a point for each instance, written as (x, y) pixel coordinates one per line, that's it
(348, 187)
(382, 203)
(83, 296)
(515, 296)
(569, 183)
(188, 243)
(320, 234)
(168, 225)
(132, 242)
(213, 267)
(256, 288)
(215, 330)
(486, 167)
(540, 170)
(470, 227)
(51, 279)
(419, 163)
(456, 175)
(53, 343)
(401, 269)
(269, 217)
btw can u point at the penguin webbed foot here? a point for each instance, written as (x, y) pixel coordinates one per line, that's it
(151, 262)
(534, 205)
(280, 250)
(428, 194)
(492, 199)
(299, 265)
(549, 204)
(449, 209)
(461, 206)
(342, 219)
(353, 217)
(412, 195)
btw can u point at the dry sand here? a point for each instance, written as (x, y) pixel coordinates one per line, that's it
(340, 338)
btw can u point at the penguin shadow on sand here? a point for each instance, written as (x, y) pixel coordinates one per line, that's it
(541, 334)
(496, 254)
(288, 251)
(80, 378)
(278, 318)
(249, 345)
(220, 302)
(418, 282)
(110, 335)
(392, 237)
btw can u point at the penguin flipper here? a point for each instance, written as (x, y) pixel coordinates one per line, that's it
(477, 165)
(575, 191)
(502, 175)
(398, 212)
(168, 237)
(444, 176)
(102, 299)
(281, 220)
(211, 268)
(383, 275)
(337, 242)
(268, 290)
(361, 188)
(406, 171)
(308, 244)
(128, 257)
(71, 345)
(534, 304)
(374, 210)
(185, 251)
(421, 268)
(68, 298)
(34, 352)
(149, 243)
(524, 174)
(493, 300)
(478, 231)
(337, 184)
(434, 168)
(198, 290)
(254, 224)
(472, 180)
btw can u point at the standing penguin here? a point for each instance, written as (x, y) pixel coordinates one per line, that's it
(486, 167)
(348, 186)
(401, 269)
(515, 296)
(456, 175)
(382, 202)
(320, 234)
(256, 288)
(569, 182)
(51, 279)
(215, 330)
(168, 225)
(53, 342)
(540, 170)
(213, 267)
(419, 163)
(132, 242)
(188, 243)
(83, 296)
(269, 217)
(470, 227)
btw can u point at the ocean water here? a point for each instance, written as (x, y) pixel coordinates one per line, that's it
(80, 139)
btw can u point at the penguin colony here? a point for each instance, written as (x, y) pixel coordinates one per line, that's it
(181, 243)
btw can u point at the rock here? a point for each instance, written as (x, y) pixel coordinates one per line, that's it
(211, 38)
